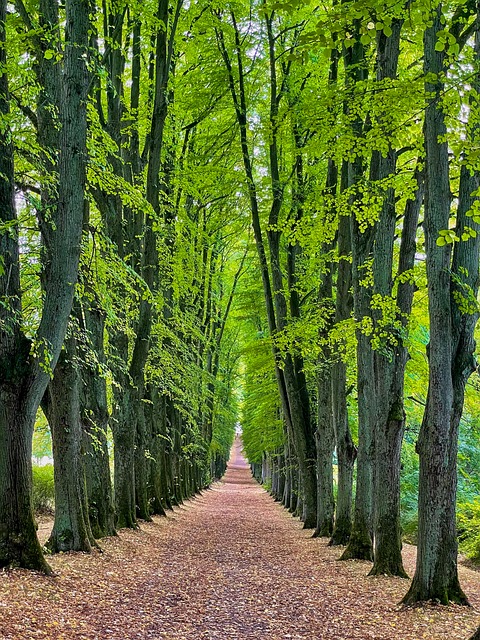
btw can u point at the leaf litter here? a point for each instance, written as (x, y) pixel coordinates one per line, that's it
(229, 564)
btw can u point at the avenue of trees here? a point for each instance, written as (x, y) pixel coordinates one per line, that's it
(267, 204)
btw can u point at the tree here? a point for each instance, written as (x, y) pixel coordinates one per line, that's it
(451, 273)
(27, 364)
(289, 366)
(94, 417)
(362, 235)
(71, 529)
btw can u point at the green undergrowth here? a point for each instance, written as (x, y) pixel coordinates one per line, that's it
(43, 492)
(468, 523)
(409, 489)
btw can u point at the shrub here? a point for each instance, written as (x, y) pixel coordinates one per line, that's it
(409, 491)
(43, 491)
(468, 522)
(410, 527)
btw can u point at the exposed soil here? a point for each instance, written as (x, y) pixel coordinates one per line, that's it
(230, 564)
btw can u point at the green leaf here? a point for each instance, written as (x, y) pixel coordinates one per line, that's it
(441, 242)
(49, 54)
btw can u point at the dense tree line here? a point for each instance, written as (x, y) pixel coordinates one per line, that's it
(198, 193)
(374, 187)
(118, 274)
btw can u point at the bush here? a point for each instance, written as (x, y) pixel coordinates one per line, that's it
(468, 523)
(409, 490)
(410, 527)
(43, 491)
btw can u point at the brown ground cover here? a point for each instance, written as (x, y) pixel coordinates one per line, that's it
(230, 564)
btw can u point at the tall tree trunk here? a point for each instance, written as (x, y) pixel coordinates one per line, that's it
(391, 359)
(325, 433)
(116, 221)
(124, 459)
(325, 445)
(155, 420)
(163, 64)
(391, 415)
(24, 375)
(360, 542)
(292, 366)
(71, 528)
(436, 575)
(18, 538)
(94, 416)
(346, 450)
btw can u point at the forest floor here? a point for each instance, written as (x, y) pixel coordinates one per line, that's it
(230, 564)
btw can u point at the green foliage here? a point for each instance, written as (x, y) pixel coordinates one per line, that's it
(212, 360)
(463, 295)
(261, 423)
(409, 486)
(468, 524)
(225, 416)
(43, 489)
(42, 441)
(267, 485)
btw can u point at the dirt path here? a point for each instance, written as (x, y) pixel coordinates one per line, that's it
(231, 564)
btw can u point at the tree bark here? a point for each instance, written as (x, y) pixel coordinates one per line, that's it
(436, 575)
(124, 460)
(391, 415)
(94, 416)
(325, 432)
(71, 528)
(391, 357)
(23, 388)
(19, 545)
(360, 542)
(346, 450)
(18, 539)
(155, 420)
